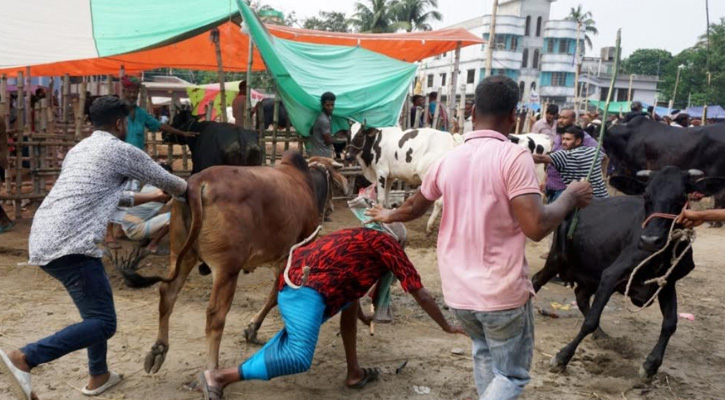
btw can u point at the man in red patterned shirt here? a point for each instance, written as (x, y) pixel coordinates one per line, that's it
(343, 266)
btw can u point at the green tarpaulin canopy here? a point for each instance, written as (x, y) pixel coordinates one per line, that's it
(369, 86)
(614, 106)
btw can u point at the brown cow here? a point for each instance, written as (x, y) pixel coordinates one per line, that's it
(236, 219)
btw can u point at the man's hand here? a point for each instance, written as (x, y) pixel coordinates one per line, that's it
(379, 214)
(453, 329)
(190, 134)
(161, 196)
(582, 193)
(691, 219)
(541, 159)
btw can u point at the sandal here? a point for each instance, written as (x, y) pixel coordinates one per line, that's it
(113, 380)
(369, 375)
(210, 392)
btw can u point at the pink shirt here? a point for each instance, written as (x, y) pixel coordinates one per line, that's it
(480, 243)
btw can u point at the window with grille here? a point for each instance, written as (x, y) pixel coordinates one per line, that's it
(430, 80)
(525, 59)
(443, 79)
(471, 76)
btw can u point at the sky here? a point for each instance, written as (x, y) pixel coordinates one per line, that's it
(673, 25)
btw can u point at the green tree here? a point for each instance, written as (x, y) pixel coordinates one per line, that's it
(378, 17)
(585, 22)
(417, 14)
(328, 21)
(646, 62)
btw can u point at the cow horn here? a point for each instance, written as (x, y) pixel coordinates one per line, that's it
(645, 173)
(695, 173)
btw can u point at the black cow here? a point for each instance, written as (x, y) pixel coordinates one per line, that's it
(645, 144)
(267, 106)
(609, 242)
(218, 143)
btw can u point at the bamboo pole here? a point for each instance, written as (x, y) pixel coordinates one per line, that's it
(287, 134)
(50, 114)
(629, 91)
(109, 84)
(34, 154)
(65, 103)
(462, 109)
(576, 70)
(19, 145)
(29, 117)
(216, 39)
(436, 111)
(121, 74)
(454, 82)
(81, 112)
(5, 101)
(275, 122)
(491, 39)
(248, 102)
(426, 113)
(43, 150)
(618, 47)
(261, 130)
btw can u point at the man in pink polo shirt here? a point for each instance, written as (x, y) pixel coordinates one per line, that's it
(492, 204)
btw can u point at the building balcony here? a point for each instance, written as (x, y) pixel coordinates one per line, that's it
(505, 25)
(504, 59)
(556, 91)
(557, 62)
(562, 29)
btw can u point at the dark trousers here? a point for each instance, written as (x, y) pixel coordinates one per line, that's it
(87, 283)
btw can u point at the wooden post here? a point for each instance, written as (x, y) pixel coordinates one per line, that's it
(576, 71)
(491, 39)
(216, 39)
(121, 74)
(287, 135)
(462, 109)
(43, 150)
(34, 152)
(49, 110)
(248, 105)
(19, 145)
(261, 129)
(629, 92)
(65, 103)
(454, 83)
(275, 122)
(81, 112)
(109, 84)
(426, 113)
(29, 117)
(436, 112)
(5, 101)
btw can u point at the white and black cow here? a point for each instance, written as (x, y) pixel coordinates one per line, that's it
(387, 154)
(536, 143)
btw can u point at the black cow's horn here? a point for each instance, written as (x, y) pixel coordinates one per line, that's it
(695, 172)
(645, 173)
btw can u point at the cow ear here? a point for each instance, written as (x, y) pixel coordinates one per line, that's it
(708, 186)
(627, 185)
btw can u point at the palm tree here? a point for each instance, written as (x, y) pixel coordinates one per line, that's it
(415, 14)
(378, 18)
(584, 20)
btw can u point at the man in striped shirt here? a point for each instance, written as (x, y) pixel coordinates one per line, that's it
(575, 160)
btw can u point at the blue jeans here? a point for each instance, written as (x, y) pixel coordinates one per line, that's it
(552, 195)
(503, 347)
(87, 283)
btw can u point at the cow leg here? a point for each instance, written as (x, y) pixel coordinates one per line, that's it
(608, 281)
(550, 270)
(437, 206)
(383, 190)
(220, 301)
(168, 293)
(583, 298)
(668, 306)
(250, 333)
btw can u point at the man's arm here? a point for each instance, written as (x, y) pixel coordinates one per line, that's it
(157, 195)
(170, 129)
(414, 207)
(136, 164)
(692, 218)
(542, 159)
(428, 304)
(537, 220)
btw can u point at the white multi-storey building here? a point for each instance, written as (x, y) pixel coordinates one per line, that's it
(536, 52)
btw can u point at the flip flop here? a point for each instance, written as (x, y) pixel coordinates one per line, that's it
(210, 392)
(113, 380)
(19, 380)
(369, 375)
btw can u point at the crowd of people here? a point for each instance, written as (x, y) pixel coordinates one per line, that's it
(488, 185)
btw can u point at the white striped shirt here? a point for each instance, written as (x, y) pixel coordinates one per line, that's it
(573, 165)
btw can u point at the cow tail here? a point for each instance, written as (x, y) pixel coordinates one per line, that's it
(194, 198)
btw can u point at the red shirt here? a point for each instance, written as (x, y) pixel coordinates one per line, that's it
(345, 264)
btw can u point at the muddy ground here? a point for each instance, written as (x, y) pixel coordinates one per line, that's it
(33, 305)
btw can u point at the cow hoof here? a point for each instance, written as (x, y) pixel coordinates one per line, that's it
(645, 376)
(155, 358)
(556, 366)
(250, 335)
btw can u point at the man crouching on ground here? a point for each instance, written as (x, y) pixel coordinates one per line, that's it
(343, 266)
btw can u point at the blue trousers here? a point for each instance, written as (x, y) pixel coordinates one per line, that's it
(291, 350)
(503, 347)
(87, 283)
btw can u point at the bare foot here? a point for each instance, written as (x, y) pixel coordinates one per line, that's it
(18, 359)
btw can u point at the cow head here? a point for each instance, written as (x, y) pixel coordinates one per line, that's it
(185, 120)
(664, 191)
(361, 145)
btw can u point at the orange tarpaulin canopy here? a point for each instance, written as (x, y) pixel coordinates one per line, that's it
(198, 52)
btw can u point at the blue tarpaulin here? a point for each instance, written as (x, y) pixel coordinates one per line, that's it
(713, 112)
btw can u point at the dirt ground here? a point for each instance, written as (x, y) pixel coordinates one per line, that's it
(33, 305)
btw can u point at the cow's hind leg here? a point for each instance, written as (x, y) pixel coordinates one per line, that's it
(437, 206)
(668, 306)
(220, 301)
(250, 333)
(168, 293)
(608, 281)
(583, 297)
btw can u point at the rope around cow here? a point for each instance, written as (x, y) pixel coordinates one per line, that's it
(679, 235)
